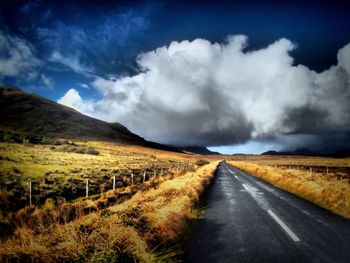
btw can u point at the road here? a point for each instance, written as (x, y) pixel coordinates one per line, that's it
(249, 220)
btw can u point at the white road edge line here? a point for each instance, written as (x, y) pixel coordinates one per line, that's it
(245, 187)
(284, 226)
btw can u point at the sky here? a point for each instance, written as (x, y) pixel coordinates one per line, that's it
(234, 76)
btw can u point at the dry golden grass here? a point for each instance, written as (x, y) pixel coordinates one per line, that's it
(58, 174)
(129, 231)
(292, 160)
(35, 160)
(325, 190)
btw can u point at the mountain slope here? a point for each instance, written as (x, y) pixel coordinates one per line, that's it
(198, 150)
(34, 116)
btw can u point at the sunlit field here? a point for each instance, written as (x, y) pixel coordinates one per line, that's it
(60, 172)
(152, 204)
(323, 181)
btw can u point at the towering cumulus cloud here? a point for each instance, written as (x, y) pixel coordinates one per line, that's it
(210, 94)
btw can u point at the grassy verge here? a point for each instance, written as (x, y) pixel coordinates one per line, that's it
(143, 228)
(60, 174)
(324, 190)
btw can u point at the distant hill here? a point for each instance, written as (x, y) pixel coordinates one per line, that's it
(271, 153)
(342, 153)
(38, 118)
(302, 152)
(307, 152)
(198, 150)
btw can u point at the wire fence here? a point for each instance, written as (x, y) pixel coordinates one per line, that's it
(38, 192)
(342, 172)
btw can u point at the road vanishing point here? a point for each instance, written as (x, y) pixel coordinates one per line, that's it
(248, 220)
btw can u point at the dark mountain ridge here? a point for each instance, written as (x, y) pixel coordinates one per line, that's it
(37, 118)
(307, 152)
(198, 150)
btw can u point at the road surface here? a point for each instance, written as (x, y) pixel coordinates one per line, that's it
(249, 220)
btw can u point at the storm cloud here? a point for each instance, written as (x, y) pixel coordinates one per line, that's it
(212, 94)
(17, 58)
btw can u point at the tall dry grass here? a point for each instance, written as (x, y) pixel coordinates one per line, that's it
(140, 229)
(322, 189)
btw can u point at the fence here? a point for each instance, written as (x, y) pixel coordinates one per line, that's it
(342, 172)
(87, 187)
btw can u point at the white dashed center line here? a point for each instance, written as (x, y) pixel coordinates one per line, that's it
(284, 226)
(293, 236)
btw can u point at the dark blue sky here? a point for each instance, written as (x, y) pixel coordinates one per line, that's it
(86, 50)
(78, 40)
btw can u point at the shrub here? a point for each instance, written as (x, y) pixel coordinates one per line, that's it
(92, 151)
(81, 150)
(201, 162)
(13, 137)
(45, 140)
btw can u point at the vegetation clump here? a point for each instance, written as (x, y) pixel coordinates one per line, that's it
(201, 162)
(80, 149)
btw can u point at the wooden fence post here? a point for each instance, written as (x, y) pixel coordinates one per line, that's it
(87, 188)
(30, 193)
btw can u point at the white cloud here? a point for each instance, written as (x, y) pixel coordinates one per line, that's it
(47, 81)
(344, 58)
(71, 62)
(202, 93)
(19, 62)
(85, 86)
(72, 99)
(17, 58)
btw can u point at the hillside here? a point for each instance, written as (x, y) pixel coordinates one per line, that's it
(38, 118)
(198, 150)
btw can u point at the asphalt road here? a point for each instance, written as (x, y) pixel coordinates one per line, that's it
(249, 220)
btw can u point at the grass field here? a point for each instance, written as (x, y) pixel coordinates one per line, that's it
(323, 181)
(148, 214)
(140, 220)
(59, 172)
